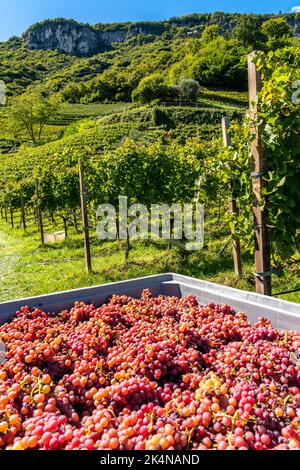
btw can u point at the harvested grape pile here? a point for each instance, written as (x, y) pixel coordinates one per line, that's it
(154, 373)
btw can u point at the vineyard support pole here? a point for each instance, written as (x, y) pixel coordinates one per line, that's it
(85, 219)
(75, 222)
(127, 246)
(65, 222)
(23, 217)
(233, 209)
(53, 221)
(11, 216)
(262, 235)
(39, 213)
(5, 211)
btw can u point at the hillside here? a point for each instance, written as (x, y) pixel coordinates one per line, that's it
(85, 63)
(80, 39)
(129, 150)
(142, 105)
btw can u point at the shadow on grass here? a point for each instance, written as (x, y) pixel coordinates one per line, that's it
(206, 263)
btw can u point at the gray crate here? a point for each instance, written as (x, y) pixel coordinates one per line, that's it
(284, 315)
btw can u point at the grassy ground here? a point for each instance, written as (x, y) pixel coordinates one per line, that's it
(27, 268)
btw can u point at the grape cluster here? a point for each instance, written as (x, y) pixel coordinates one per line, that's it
(152, 373)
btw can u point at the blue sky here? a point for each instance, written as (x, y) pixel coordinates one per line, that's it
(17, 15)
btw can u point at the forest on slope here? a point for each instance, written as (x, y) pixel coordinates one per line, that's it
(211, 49)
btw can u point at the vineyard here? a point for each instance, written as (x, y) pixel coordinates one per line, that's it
(150, 162)
(173, 116)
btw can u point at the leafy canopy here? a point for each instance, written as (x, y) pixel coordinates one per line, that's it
(30, 112)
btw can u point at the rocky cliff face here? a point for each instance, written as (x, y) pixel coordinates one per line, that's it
(68, 37)
(74, 38)
(294, 23)
(84, 40)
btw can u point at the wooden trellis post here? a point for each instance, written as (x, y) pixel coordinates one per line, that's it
(11, 216)
(233, 208)
(39, 213)
(262, 236)
(23, 217)
(85, 218)
(5, 210)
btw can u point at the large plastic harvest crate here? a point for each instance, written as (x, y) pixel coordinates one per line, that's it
(284, 315)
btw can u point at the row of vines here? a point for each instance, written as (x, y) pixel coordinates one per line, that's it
(278, 125)
(163, 171)
(164, 168)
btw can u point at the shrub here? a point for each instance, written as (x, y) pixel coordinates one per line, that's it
(188, 90)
